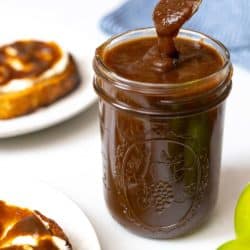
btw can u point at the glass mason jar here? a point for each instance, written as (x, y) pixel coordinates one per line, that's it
(161, 144)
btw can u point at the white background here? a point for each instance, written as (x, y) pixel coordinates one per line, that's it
(68, 156)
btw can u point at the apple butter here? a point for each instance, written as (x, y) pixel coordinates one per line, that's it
(17, 224)
(27, 59)
(162, 96)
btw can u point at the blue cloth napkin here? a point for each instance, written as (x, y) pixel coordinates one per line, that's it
(225, 20)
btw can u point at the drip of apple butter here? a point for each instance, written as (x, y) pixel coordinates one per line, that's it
(169, 16)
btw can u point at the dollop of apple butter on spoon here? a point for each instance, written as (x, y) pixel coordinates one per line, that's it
(169, 16)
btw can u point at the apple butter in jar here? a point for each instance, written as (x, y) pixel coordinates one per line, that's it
(162, 95)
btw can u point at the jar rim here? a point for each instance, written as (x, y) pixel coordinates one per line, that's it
(127, 84)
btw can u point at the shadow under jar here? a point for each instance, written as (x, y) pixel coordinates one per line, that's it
(161, 143)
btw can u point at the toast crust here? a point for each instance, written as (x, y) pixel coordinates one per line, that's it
(54, 228)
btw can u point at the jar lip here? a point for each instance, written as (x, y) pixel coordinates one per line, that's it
(125, 83)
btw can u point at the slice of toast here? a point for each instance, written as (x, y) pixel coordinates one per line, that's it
(44, 90)
(21, 228)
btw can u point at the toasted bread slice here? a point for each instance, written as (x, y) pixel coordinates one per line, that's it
(43, 92)
(21, 228)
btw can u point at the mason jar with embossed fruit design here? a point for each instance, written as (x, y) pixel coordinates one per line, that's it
(161, 143)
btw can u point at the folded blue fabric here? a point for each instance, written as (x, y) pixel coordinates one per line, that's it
(225, 20)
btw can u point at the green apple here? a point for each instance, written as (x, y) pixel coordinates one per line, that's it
(236, 245)
(242, 215)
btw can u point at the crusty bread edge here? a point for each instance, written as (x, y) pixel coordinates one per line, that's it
(54, 228)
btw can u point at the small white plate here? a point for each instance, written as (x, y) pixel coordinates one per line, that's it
(36, 195)
(62, 110)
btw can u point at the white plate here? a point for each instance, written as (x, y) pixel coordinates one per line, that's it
(63, 109)
(53, 204)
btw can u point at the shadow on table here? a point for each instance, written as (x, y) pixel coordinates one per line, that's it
(75, 127)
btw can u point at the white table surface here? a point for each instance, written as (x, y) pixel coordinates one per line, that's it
(68, 156)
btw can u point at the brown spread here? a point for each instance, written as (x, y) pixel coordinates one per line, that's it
(161, 114)
(16, 222)
(139, 60)
(165, 59)
(168, 17)
(27, 59)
